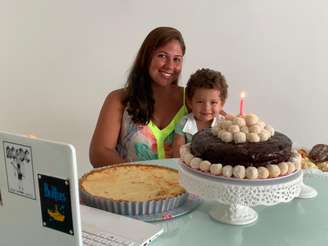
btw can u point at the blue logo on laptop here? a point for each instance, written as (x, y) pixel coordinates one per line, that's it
(51, 192)
(55, 203)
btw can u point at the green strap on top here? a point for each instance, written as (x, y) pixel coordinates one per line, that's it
(161, 135)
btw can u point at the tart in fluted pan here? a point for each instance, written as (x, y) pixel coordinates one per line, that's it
(133, 189)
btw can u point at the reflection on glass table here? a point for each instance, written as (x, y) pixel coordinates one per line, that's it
(298, 222)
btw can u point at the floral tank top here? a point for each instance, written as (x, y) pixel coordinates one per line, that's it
(146, 142)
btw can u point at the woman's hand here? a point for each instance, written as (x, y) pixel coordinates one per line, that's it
(178, 141)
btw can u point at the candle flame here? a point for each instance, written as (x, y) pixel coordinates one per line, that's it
(242, 94)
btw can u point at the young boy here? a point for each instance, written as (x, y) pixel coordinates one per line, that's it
(206, 93)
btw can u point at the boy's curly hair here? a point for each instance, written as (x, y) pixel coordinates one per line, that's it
(208, 79)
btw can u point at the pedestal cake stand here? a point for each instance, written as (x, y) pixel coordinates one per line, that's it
(237, 196)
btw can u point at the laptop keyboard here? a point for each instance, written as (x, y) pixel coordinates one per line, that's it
(104, 239)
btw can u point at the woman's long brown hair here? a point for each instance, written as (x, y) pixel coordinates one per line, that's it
(139, 95)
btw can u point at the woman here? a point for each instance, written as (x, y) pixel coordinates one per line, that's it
(137, 122)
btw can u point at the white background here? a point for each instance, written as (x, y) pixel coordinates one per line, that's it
(59, 59)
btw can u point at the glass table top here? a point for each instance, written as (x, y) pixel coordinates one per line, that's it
(299, 222)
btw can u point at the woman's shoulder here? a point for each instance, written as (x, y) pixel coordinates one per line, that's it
(116, 96)
(181, 89)
(115, 100)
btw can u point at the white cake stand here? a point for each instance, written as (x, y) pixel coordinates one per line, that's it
(236, 196)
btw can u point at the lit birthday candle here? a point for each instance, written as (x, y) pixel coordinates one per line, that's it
(241, 104)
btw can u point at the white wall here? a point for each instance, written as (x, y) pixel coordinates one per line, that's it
(60, 58)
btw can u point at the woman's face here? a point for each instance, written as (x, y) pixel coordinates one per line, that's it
(166, 63)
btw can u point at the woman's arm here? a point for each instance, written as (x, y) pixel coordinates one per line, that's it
(104, 140)
(178, 141)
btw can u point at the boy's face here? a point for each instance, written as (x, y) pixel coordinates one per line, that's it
(205, 104)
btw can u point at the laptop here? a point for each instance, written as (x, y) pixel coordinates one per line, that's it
(39, 200)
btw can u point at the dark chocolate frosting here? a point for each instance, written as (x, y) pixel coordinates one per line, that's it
(209, 147)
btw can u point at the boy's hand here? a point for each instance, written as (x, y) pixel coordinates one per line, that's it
(227, 116)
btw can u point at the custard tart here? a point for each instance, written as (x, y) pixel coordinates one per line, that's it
(133, 189)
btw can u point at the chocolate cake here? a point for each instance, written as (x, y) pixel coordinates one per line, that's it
(207, 146)
(243, 147)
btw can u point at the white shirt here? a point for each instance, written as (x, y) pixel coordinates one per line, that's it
(191, 125)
